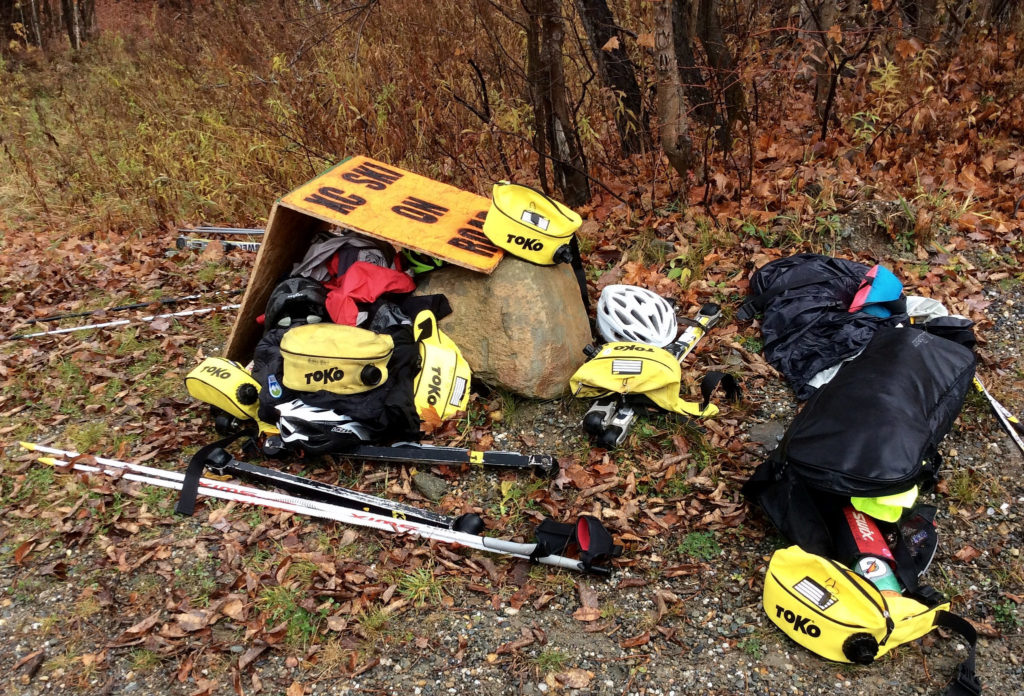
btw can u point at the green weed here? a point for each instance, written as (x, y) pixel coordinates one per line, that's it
(551, 660)
(197, 580)
(1006, 614)
(420, 587)
(282, 604)
(752, 646)
(752, 343)
(699, 545)
(143, 660)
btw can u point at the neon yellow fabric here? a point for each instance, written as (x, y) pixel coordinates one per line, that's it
(444, 378)
(528, 224)
(888, 508)
(636, 368)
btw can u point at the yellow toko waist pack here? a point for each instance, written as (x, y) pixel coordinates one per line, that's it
(334, 357)
(530, 225)
(636, 369)
(444, 376)
(830, 610)
(226, 385)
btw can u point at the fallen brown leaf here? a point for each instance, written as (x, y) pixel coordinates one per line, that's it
(574, 678)
(967, 554)
(636, 641)
(144, 625)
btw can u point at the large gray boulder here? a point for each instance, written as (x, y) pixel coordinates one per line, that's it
(523, 327)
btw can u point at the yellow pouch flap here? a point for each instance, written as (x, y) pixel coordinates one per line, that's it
(623, 367)
(226, 385)
(444, 378)
(912, 618)
(334, 357)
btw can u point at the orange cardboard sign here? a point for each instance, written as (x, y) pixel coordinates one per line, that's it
(406, 209)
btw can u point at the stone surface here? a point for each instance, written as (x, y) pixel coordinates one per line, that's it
(431, 486)
(523, 327)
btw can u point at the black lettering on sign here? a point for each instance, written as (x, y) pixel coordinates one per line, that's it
(467, 233)
(373, 176)
(335, 199)
(420, 210)
(478, 220)
(487, 250)
(473, 240)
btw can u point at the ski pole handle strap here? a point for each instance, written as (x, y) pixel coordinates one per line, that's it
(190, 486)
(965, 682)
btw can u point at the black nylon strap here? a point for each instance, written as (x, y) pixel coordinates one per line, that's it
(965, 682)
(190, 486)
(906, 569)
(712, 380)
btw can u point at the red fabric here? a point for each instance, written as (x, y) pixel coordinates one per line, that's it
(362, 282)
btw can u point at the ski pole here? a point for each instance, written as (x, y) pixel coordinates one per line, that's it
(199, 243)
(209, 229)
(1010, 423)
(333, 495)
(406, 452)
(123, 322)
(221, 463)
(365, 519)
(119, 308)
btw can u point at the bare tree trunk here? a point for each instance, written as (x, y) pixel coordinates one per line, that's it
(70, 8)
(684, 28)
(37, 30)
(673, 119)
(556, 132)
(817, 17)
(79, 17)
(87, 13)
(617, 72)
(720, 60)
(920, 16)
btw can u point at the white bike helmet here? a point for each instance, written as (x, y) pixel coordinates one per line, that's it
(630, 313)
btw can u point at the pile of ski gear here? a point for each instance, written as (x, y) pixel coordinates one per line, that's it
(639, 366)
(885, 377)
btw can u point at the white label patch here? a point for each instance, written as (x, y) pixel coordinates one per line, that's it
(535, 219)
(627, 367)
(817, 594)
(457, 391)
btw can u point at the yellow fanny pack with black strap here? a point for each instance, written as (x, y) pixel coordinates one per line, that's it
(226, 385)
(444, 378)
(530, 225)
(637, 369)
(334, 357)
(834, 612)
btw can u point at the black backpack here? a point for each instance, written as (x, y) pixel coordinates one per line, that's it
(873, 430)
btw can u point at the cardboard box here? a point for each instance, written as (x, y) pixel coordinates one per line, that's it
(371, 198)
